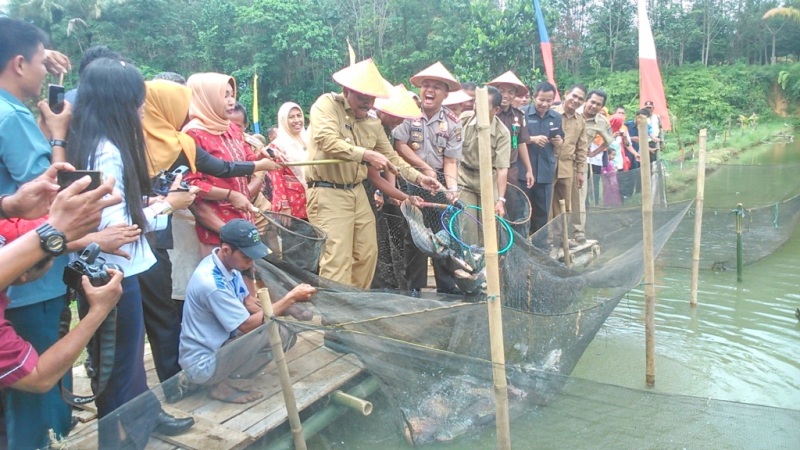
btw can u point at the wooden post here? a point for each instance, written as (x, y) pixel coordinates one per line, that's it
(494, 302)
(283, 371)
(698, 215)
(647, 249)
(739, 254)
(564, 232)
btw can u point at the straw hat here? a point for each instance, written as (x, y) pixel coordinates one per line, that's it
(437, 72)
(510, 78)
(399, 104)
(364, 78)
(456, 98)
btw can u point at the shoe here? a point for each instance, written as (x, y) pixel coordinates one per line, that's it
(580, 238)
(178, 388)
(172, 426)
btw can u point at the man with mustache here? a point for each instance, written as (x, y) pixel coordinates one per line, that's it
(514, 119)
(431, 144)
(341, 128)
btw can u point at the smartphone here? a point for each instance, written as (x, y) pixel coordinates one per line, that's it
(55, 98)
(66, 178)
(556, 132)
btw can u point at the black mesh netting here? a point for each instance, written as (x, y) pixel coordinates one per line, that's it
(294, 241)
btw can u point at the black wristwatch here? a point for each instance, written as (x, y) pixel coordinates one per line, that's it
(52, 241)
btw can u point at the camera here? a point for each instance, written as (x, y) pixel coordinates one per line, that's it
(164, 180)
(92, 265)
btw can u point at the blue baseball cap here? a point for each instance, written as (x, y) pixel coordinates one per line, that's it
(243, 235)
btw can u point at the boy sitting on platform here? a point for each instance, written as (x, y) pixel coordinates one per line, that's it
(220, 336)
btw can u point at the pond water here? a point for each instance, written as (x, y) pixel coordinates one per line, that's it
(740, 344)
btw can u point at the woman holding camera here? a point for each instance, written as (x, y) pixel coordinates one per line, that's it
(106, 135)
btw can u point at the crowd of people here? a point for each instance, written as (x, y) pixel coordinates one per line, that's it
(392, 145)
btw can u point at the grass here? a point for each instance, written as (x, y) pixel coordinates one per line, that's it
(721, 148)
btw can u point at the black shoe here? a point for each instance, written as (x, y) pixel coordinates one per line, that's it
(172, 426)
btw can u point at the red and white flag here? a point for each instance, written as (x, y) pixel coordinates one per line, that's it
(651, 87)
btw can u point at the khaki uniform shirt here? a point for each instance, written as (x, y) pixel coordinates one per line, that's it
(432, 139)
(572, 154)
(514, 120)
(500, 139)
(335, 133)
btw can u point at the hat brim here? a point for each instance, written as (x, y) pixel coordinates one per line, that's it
(522, 90)
(257, 251)
(417, 80)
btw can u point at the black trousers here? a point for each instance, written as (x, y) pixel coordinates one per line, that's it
(162, 316)
(541, 196)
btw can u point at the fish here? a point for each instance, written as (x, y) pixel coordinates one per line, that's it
(454, 406)
(422, 235)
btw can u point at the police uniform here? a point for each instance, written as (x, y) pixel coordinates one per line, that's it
(517, 126)
(432, 139)
(336, 199)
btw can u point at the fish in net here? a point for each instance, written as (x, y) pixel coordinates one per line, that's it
(432, 355)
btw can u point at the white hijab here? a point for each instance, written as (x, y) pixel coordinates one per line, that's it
(292, 144)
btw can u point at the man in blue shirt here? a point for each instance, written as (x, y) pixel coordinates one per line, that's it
(25, 153)
(220, 335)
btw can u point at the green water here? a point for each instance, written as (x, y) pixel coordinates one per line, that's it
(740, 344)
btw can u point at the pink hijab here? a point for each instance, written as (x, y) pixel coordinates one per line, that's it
(207, 110)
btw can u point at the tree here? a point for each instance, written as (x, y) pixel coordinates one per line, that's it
(782, 16)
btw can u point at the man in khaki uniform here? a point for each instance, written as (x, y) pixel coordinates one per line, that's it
(500, 139)
(572, 152)
(597, 129)
(340, 128)
(431, 144)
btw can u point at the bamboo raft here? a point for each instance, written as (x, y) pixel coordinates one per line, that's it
(316, 371)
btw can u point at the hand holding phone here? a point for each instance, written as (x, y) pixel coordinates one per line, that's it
(55, 98)
(67, 177)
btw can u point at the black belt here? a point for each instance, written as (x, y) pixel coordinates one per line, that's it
(468, 167)
(325, 184)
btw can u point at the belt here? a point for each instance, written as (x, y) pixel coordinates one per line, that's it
(325, 184)
(468, 167)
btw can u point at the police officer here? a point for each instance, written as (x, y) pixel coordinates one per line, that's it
(341, 128)
(511, 87)
(433, 145)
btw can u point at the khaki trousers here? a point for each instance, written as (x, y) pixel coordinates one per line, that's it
(579, 202)
(562, 190)
(351, 251)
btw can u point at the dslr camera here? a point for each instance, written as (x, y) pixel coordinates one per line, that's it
(92, 265)
(164, 180)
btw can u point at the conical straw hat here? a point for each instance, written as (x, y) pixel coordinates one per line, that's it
(456, 97)
(364, 78)
(510, 78)
(438, 72)
(399, 104)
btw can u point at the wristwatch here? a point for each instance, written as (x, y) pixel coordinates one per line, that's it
(52, 241)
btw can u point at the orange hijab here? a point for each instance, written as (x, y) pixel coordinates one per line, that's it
(207, 110)
(165, 107)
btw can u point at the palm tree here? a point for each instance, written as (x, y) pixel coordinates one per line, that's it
(787, 12)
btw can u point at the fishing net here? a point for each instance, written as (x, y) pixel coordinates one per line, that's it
(769, 195)
(294, 241)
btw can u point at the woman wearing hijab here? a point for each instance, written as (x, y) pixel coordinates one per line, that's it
(288, 184)
(166, 110)
(213, 101)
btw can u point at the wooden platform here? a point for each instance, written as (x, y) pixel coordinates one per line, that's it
(579, 254)
(316, 371)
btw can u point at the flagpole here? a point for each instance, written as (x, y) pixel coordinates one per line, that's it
(256, 126)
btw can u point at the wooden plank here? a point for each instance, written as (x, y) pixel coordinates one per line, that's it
(199, 399)
(308, 391)
(220, 412)
(206, 435)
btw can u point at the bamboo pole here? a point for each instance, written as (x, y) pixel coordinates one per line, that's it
(564, 232)
(647, 244)
(283, 371)
(739, 254)
(492, 271)
(698, 215)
